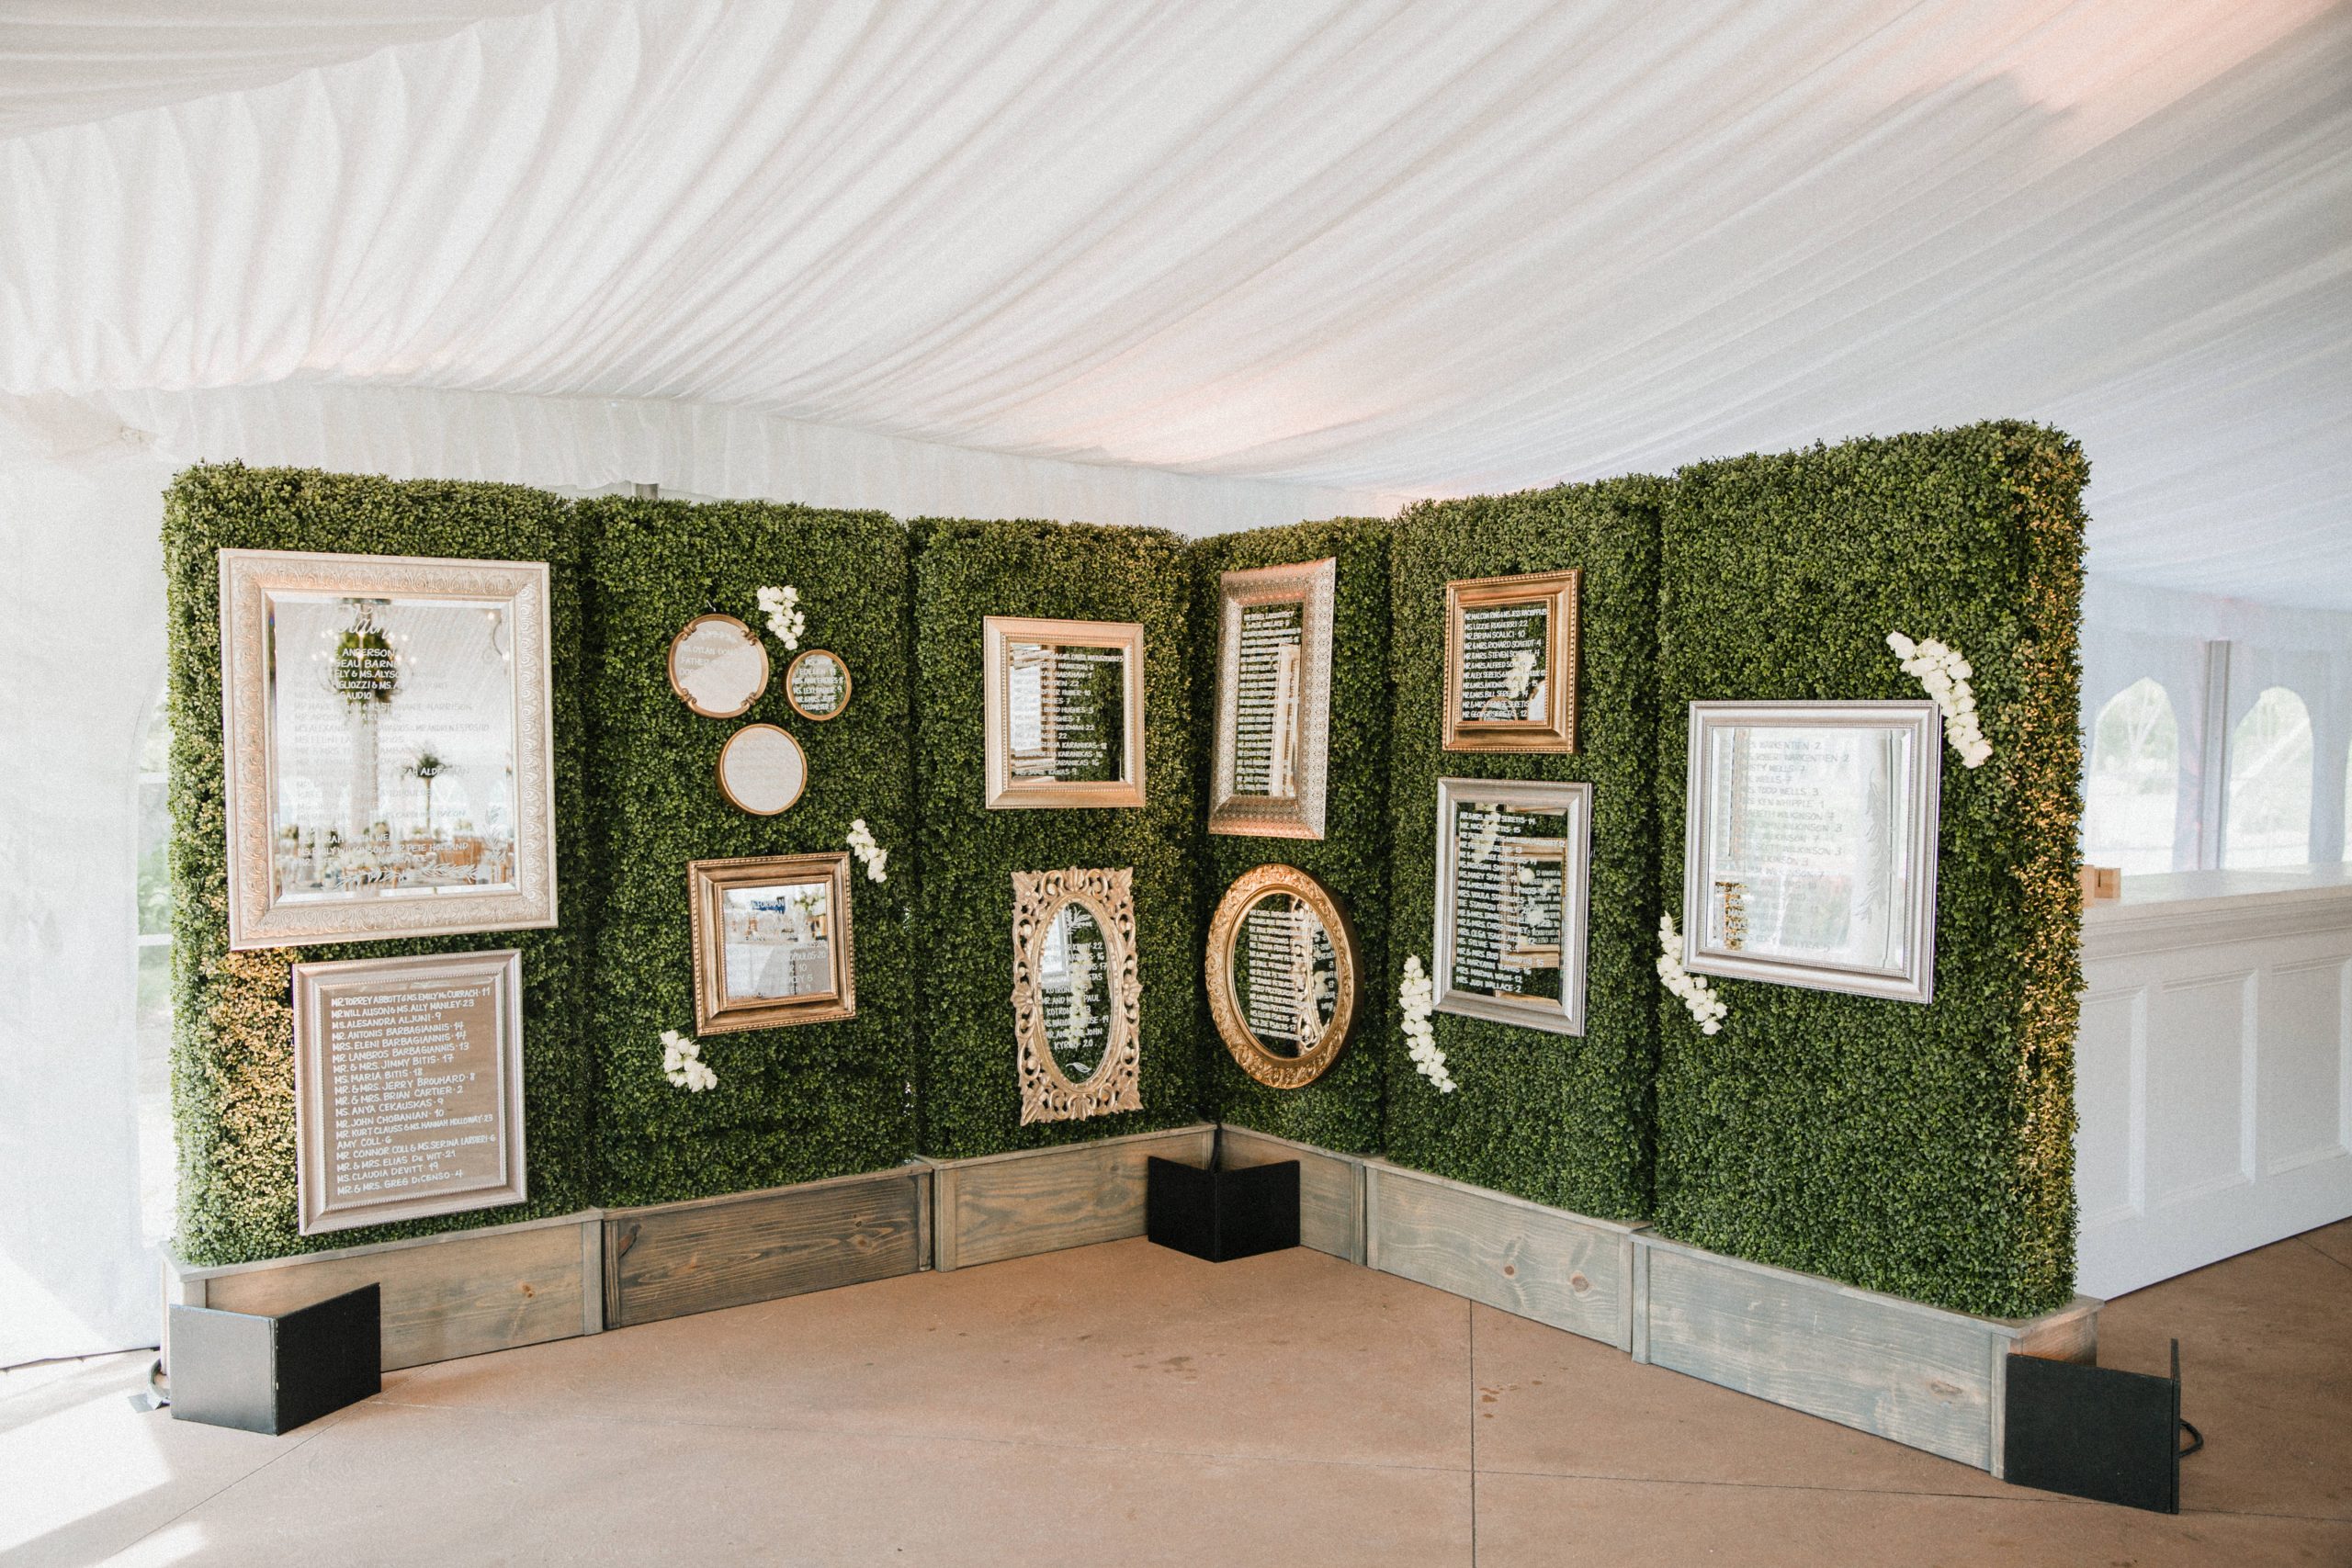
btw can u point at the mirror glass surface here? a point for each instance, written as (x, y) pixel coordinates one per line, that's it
(1065, 712)
(1074, 984)
(818, 684)
(1505, 651)
(1510, 899)
(778, 941)
(1286, 974)
(763, 770)
(1808, 836)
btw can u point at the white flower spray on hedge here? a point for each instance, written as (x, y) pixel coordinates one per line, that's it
(1707, 1009)
(1944, 674)
(1416, 999)
(682, 1064)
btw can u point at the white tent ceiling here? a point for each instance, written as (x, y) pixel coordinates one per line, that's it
(1380, 249)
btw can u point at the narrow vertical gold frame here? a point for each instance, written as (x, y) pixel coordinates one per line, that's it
(1556, 730)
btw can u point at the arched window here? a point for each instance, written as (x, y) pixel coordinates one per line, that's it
(2133, 790)
(2270, 783)
(152, 1040)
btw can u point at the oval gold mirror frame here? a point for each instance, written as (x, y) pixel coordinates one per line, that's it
(750, 638)
(1249, 890)
(792, 692)
(751, 747)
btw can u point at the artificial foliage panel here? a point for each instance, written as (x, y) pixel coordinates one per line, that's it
(1926, 1151)
(1559, 1119)
(968, 1090)
(232, 1063)
(793, 1104)
(1341, 1109)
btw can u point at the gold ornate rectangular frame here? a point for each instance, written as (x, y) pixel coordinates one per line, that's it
(1005, 793)
(1299, 814)
(1556, 730)
(257, 918)
(316, 1100)
(707, 883)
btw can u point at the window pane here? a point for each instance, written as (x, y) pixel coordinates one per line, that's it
(2270, 783)
(2132, 795)
(154, 861)
(154, 1044)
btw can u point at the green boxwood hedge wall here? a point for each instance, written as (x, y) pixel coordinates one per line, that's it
(1341, 1109)
(1557, 1118)
(1926, 1151)
(967, 1090)
(793, 1104)
(232, 1062)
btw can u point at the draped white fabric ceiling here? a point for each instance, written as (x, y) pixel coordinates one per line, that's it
(1379, 249)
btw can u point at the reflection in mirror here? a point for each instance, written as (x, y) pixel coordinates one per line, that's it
(392, 726)
(1506, 650)
(717, 666)
(1286, 974)
(1809, 844)
(1510, 899)
(1066, 708)
(1074, 982)
(818, 684)
(761, 770)
(778, 941)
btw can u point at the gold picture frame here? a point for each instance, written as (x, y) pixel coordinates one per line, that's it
(792, 688)
(798, 942)
(1048, 1094)
(746, 749)
(1477, 664)
(1267, 1065)
(346, 685)
(1023, 683)
(699, 629)
(1284, 676)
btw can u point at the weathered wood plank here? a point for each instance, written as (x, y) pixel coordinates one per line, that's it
(1913, 1373)
(1517, 1256)
(672, 1260)
(1330, 1189)
(1001, 1206)
(465, 1295)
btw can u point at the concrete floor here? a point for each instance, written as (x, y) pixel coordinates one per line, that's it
(1124, 1405)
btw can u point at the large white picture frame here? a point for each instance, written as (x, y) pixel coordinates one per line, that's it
(356, 688)
(1809, 850)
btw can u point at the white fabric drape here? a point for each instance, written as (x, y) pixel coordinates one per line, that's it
(1379, 247)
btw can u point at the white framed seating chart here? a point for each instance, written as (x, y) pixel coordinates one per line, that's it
(1514, 861)
(1810, 849)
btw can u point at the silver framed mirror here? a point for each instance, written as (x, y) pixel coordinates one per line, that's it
(1273, 700)
(1809, 850)
(1514, 867)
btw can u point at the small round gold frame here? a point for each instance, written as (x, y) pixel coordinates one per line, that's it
(677, 642)
(761, 734)
(792, 694)
(1225, 932)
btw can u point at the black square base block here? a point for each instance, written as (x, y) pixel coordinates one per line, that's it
(272, 1374)
(1222, 1214)
(2095, 1432)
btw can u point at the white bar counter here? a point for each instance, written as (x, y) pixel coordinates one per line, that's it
(2213, 1069)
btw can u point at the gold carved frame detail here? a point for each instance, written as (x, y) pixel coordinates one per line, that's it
(1273, 1070)
(1046, 1093)
(1558, 591)
(707, 882)
(1298, 815)
(1005, 793)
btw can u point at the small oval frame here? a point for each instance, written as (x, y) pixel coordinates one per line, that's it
(848, 684)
